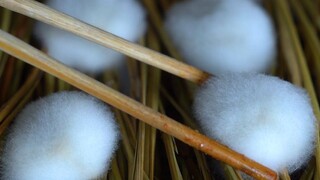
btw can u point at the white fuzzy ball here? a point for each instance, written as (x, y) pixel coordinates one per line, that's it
(124, 18)
(221, 36)
(65, 136)
(260, 116)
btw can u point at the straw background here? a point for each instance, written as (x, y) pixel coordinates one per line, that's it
(144, 152)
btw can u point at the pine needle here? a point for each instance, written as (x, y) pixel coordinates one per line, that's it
(9, 106)
(299, 62)
(309, 171)
(24, 93)
(5, 25)
(231, 173)
(157, 22)
(152, 100)
(311, 40)
(172, 160)
(284, 175)
(115, 170)
(307, 81)
(287, 49)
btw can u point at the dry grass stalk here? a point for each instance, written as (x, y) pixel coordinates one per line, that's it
(11, 67)
(171, 151)
(49, 83)
(17, 102)
(9, 106)
(7, 77)
(116, 175)
(231, 173)
(157, 22)
(284, 175)
(191, 123)
(128, 148)
(308, 173)
(124, 156)
(307, 81)
(114, 42)
(311, 9)
(288, 51)
(5, 25)
(282, 70)
(13, 114)
(150, 96)
(309, 34)
(18, 74)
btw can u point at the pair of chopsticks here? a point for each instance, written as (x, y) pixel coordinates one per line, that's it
(27, 53)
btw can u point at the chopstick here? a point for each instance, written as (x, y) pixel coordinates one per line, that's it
(45, 14)
(27, 53)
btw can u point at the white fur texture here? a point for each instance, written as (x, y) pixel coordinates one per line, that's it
(124, 18)
(221, 36)
(263, 117)
(65, 136)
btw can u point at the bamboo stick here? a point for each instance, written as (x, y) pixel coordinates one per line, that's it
(45, 14)
(27, 53)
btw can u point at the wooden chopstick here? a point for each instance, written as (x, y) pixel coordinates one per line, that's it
(27, 53)
(46, 14)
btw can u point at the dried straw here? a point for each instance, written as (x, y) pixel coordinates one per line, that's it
(298, 28)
